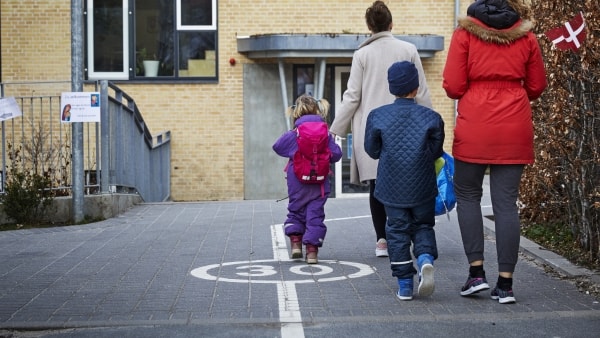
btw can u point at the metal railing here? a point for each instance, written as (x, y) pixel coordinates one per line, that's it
(134, 159)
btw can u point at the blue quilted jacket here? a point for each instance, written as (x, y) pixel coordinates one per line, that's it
(407, 138)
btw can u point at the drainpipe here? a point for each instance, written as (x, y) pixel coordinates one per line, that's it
(3, 143)
(456, 14)
(321, 80)
(283, 92)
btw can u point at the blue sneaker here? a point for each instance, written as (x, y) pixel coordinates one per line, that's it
(503, 296)
(405, 289)
(474, 285)
(426, 282)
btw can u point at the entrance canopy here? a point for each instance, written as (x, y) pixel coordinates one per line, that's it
(324, 45)
(320, 47)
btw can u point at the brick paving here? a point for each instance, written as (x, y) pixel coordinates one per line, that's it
(134, 271)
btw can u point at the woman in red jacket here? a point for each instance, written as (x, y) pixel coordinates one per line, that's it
(494, 68)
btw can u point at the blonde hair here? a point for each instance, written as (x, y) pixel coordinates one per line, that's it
(308, 105)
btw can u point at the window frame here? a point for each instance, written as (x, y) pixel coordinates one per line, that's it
(91, 73)
(129, 49)
(181, 27)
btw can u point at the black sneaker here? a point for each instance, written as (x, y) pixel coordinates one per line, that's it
(503, 296)
(474, 285)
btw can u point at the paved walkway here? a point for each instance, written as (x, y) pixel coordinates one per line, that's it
(221, 269)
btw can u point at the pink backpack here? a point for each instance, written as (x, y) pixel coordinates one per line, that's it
(312, 160)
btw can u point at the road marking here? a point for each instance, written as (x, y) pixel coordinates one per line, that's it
(289, 311)
(259, 271)
(289, 307)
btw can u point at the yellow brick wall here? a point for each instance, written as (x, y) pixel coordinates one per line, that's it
(36, 40)
(206, 120)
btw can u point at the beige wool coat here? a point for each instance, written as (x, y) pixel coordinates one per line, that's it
(368, 89)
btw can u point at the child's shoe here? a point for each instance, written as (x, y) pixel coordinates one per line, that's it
(296, 241)
(426, 282)
(311, 254)
(405, 289)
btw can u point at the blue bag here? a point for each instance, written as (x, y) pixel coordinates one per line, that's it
(445, 200)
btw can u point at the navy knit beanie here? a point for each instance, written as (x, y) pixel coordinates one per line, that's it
(403, 78)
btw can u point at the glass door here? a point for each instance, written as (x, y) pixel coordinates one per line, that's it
(343, 188)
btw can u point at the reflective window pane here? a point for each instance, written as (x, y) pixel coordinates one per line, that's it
(196, 12)
(197, 54)
(154, 30)
(108, 36)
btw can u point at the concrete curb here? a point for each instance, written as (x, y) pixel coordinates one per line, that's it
(101, 206)
(545, 256)
(532, 249)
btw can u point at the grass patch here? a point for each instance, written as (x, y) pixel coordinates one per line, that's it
(559, 239)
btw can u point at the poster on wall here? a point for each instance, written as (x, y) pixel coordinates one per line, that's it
(9, 108)
(80, 107)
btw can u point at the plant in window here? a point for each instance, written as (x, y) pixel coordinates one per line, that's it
(146, 65)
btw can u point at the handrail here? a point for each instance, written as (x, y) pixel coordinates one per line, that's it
(127, 157)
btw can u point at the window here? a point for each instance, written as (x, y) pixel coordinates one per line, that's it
(196, 15)
(107, 39)
(151, 40)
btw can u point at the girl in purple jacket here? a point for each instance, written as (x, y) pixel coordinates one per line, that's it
(306, 207)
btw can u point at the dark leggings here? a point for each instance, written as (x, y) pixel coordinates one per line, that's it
(504, 191)
(377, 212)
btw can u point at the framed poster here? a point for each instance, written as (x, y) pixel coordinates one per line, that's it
(80, 107)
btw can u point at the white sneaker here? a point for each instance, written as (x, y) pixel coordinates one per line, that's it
(381, 248)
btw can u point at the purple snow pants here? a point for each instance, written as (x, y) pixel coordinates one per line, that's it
(306, 216)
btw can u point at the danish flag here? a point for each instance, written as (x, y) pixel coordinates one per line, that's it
(570, 36)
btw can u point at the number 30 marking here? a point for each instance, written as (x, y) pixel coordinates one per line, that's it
(257, 270)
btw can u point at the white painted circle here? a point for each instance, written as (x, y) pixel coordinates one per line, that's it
(253, 271)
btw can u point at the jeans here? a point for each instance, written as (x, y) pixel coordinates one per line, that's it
(410, 225)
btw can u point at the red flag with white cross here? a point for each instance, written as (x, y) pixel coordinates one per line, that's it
(570, 36)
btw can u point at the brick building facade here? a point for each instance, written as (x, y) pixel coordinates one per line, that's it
(211, 119)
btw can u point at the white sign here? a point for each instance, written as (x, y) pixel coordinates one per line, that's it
(9, 108)
(80, 107)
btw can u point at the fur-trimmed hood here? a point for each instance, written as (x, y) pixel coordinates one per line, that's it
(497, 36)
(497, 21)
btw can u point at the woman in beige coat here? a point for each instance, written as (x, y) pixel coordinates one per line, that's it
(368, 89)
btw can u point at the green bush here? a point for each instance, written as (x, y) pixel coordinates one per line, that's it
(26, 197)
(27, 192)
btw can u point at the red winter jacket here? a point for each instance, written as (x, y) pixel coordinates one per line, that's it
(494, 74)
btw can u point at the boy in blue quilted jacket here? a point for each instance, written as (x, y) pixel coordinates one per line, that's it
(407, 138)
